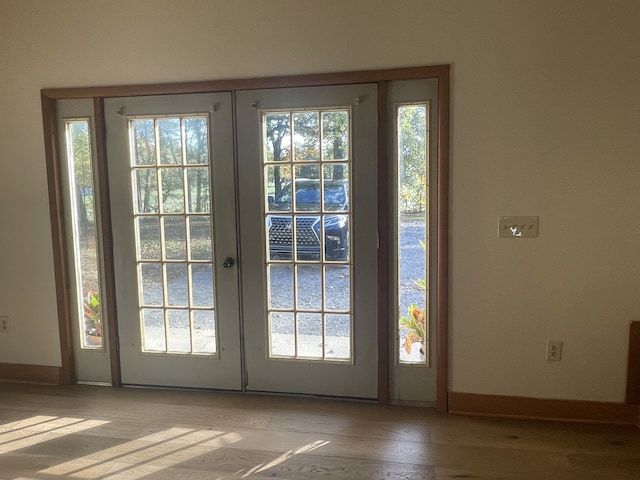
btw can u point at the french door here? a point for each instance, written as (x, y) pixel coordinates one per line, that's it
(245, 239)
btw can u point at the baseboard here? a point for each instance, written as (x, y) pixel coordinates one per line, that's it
(541, 408)
(38, 374)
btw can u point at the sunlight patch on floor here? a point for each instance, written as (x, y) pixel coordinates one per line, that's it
(28, 432)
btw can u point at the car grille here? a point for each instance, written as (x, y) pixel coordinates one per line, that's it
(281, 233)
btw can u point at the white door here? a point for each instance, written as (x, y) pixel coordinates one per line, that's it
(171, 178)
(308, 214)
(279, 299)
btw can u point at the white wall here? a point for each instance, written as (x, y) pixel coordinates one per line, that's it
(545, 121)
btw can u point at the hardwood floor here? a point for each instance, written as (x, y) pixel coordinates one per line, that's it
(87, 432)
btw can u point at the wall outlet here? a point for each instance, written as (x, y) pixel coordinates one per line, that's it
(4, 325)
(554, 350)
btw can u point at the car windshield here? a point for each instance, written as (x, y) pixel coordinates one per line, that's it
(310, 194)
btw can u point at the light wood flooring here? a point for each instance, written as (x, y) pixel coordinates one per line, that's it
(89, 432)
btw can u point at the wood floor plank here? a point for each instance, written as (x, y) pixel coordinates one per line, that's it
(88, 432)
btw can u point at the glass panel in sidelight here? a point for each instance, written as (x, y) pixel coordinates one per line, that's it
(86, 263)
(412, 238)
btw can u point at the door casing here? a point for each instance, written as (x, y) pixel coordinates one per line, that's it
(49, 96)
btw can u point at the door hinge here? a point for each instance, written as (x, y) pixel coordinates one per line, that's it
(118, 343)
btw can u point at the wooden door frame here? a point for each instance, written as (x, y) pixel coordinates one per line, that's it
(49, 96)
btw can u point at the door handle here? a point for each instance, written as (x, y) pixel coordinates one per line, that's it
(228, 262)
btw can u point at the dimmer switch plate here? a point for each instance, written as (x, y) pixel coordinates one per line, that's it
(517, 227)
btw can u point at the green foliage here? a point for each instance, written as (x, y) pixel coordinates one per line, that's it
(93, 311)
(192, 133)
(412, 158)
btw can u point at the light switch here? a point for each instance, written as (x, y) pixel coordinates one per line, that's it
(517, 227)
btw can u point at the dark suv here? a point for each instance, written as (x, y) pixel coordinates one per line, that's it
(308, 231)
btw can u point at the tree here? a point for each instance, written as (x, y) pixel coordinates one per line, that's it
(277, 129)
(83, 173)
(412, 157)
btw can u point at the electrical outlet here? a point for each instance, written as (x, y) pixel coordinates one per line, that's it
(4, 324)
(554, 350)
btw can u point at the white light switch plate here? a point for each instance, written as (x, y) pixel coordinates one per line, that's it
(517, 227)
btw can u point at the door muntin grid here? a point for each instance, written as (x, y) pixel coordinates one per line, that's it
(306, 187)
(173, 233)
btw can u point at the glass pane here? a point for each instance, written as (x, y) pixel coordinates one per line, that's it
(335, 171)
(85, 234)
(309, 287)
(144, 141)
(146, 191)
(174, 233)
(204, 331)
(148, 231)
(175, 238)
(198, 190)
(196, 140)
(172, 190)
(307, 224)
(280, 280)
(282, 341)
(338, 337)
(310, 343)
(170, 141)
(308, 234)
(307, 197)
(337, 288)
(412, 233)
(277, 187)
(335, 135)
(151, 284)
(177, 289)
(280, 236)
(277, 137)
(306, 137)
(153, 332)
(200, 238)
(179, 334)
(335, 195)
(202, 285)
